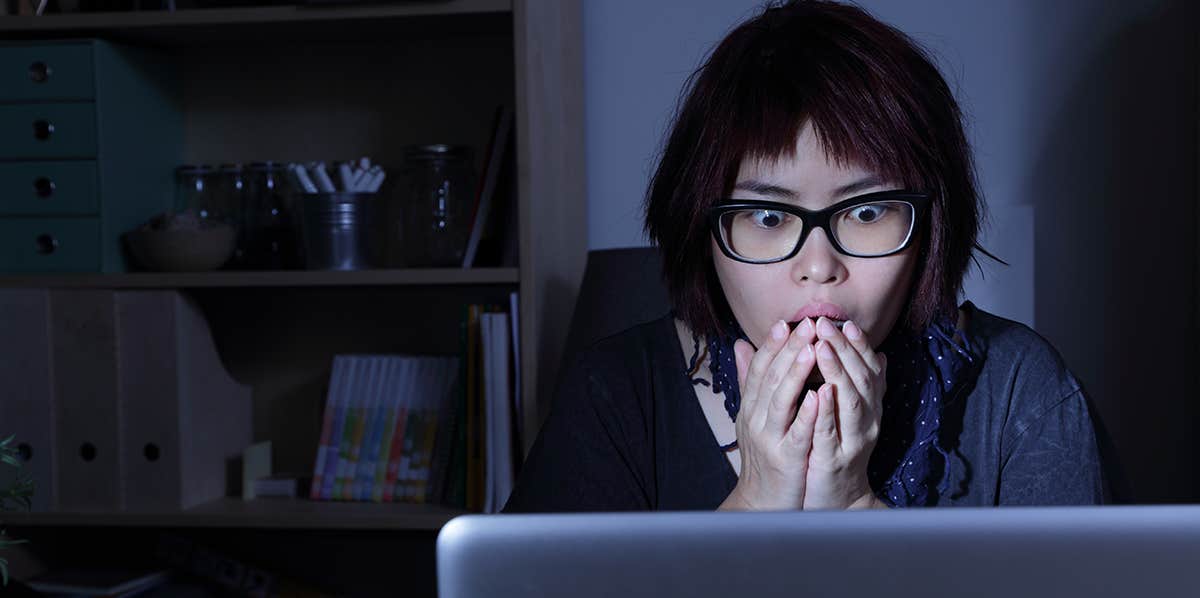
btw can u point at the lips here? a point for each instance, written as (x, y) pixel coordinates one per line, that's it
(832, 311)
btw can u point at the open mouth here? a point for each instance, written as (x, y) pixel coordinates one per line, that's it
(838, 323)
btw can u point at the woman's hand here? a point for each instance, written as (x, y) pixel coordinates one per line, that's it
(850, 405)
(774, 435)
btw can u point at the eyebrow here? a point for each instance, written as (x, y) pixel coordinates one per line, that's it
(762, 188)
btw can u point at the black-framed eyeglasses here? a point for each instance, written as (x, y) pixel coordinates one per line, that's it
(764, 232)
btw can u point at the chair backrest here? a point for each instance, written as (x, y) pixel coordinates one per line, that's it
(621, 288)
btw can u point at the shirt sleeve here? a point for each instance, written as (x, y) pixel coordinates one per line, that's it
(585, 457)
(1055, 459)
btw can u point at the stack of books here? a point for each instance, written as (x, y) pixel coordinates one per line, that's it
(381, 423)
(426, 429)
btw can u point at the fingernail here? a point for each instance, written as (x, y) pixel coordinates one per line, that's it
(805, 353)
(825, 350)
(806, 327)
(779, 330)
(851, 330)
(825, 327)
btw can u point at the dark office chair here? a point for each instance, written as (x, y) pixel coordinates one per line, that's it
(621, 288)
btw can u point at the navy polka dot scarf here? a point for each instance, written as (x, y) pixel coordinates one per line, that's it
(913, 459)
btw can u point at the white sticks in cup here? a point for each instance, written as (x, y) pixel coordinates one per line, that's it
(353, 177)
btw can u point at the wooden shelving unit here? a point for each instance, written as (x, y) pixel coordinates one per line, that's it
(263, 513)
(282, 278)
(417, 72)
(102, 21)
(269, 23)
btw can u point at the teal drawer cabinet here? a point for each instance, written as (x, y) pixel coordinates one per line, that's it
(90, 134)
(68, 188)
(47, 72)
(50, 244)
(46, 130)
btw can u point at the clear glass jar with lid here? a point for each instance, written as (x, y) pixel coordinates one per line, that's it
(268, 220)
(437, 199)
(231, 206)
(196, 190)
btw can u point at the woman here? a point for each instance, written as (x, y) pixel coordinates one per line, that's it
(816, 209)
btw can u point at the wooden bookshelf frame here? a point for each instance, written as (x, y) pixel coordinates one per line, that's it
(262, 513)
(551, 209)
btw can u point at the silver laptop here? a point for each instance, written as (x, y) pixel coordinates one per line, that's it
(973, 553)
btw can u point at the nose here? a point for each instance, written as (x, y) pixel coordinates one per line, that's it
(818, 261)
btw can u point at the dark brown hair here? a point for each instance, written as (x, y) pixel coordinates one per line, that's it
(873, 97)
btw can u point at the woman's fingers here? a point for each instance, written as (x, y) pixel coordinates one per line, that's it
(801, 431)
(858, 339)
(851, 411)
(847, 419)
(857, 415)
(849, 363)
(781, 411)
(782, 363)
(762, 359)
(825, 443)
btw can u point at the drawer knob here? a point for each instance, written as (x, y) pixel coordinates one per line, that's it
(39, 72)
(46, 244)
(42, 129)
(44, 187)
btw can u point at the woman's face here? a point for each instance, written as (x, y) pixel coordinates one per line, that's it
(870, 291)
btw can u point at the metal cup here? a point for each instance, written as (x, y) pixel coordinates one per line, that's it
(340, 230)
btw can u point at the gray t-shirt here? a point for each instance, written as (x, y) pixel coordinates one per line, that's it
(626, 431)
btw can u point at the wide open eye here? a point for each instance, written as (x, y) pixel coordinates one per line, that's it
(868, 213)
(767, 219)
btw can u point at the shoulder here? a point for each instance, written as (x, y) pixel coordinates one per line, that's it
(1022, 365)
(1019, 350)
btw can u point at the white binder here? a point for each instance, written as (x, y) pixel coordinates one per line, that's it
(184, 419)
(27, 399)
(83, 346)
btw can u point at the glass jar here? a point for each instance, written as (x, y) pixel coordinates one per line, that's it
(270, 239)
(195, 190)
(436, 201)
(231, 207)
(230, 193)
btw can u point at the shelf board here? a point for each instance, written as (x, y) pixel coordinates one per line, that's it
(281, 278)
(263, 513)
(268, 23)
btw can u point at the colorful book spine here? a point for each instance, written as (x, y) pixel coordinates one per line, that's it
(373, 429)
(327, 450)
(435, 411)
(349, 418)
(405, 389)
(391, 408)
(414, 435)
(356, 420)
